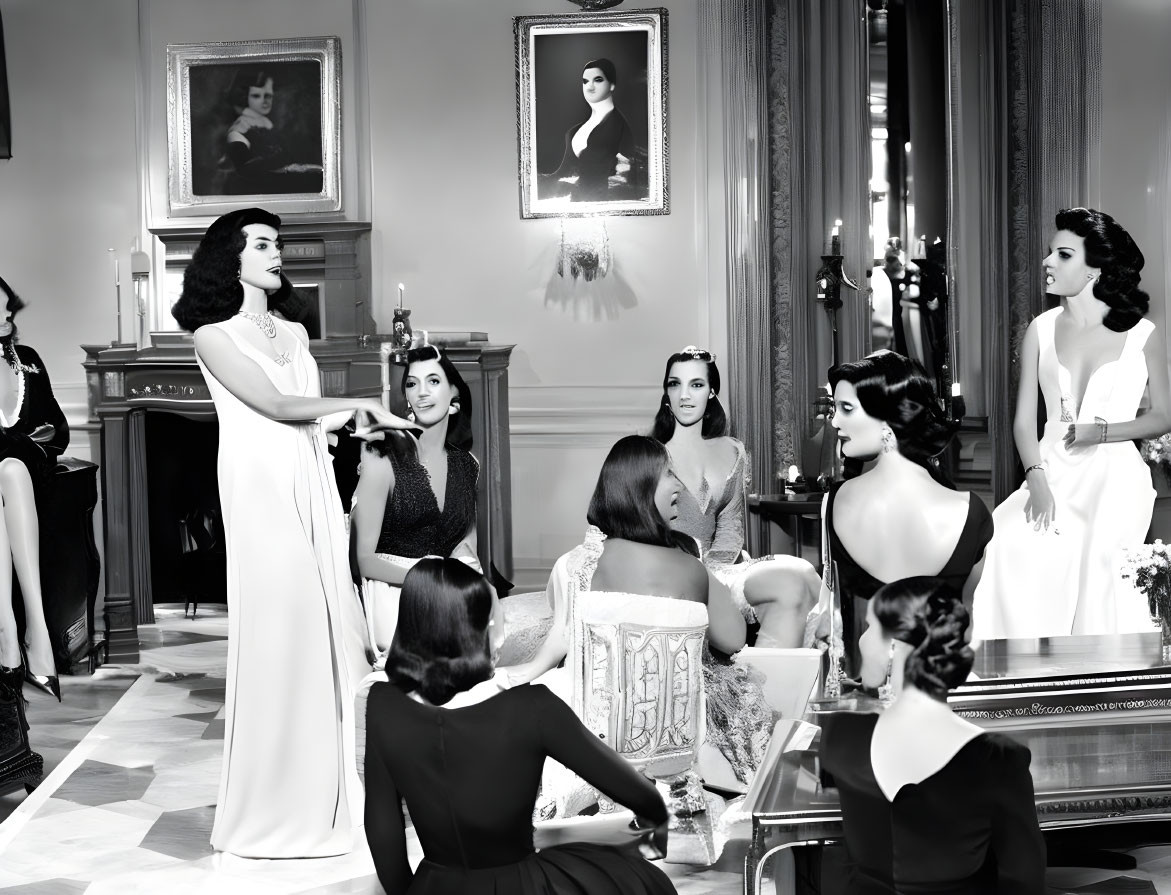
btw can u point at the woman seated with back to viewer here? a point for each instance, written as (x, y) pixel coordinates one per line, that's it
(630, 548)
(776, 591)
(931, 804)
(466, 758)
(900, 517)
(416, 498)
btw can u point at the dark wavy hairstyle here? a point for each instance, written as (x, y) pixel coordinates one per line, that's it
(606, 67)
(459, 425)
(245, 79)
(211, 283)
(441, 645)
(623, 503)
(897, 390)
(928, 614)
(13, 305)
(1112, 250)
(714, 421)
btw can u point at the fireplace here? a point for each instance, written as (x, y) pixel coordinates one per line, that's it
(145, 399)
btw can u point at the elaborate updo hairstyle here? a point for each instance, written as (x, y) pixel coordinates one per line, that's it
(897, 390)
(1112, 250)
(211, 283)
(623, 503)
(714, 421)
(13, 305)
(441, 645)
(606, 67)
(929, 615)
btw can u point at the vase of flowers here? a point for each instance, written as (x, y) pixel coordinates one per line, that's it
(1157, 453)
(1149, 568)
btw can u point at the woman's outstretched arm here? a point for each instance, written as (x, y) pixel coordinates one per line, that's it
(243, 377)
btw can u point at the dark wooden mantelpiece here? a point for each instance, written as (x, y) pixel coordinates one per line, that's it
(124, 383)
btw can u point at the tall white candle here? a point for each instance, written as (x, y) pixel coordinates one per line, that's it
(401, 290)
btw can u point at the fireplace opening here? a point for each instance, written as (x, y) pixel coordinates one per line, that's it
(188, 561)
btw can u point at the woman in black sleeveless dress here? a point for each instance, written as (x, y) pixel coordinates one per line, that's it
(416, 497)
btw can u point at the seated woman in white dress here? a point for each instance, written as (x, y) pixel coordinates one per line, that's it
(630, 548)
(416, 498)
(776, 591)
(1053, 566)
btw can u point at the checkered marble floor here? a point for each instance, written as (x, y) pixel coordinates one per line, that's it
(129, 808)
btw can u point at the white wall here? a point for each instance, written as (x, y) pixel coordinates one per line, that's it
(69, 192)
(447, 224)
(442, 198)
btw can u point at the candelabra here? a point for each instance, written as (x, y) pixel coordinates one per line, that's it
(831, 277)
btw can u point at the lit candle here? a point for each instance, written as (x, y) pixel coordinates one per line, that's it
(401, 290)
(835, 238)
(793, 473)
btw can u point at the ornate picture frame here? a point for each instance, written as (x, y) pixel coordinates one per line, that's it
(621, 164)
(254, 123)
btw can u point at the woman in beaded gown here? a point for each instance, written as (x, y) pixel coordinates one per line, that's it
(899, 517)
(296, 639)
(776, 591)
(466, 758)
(931, 804)
(401, 511)
(630, 548)
(1054, 566)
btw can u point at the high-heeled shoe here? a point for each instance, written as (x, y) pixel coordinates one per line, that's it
(43, 682)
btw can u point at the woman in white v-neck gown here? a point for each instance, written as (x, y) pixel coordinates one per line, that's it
(296, 638)
(1053, 565)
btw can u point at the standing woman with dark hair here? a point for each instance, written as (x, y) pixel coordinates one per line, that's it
(776, 591)
(296, 637)
(900, 517)
(33, 434)
(1053, 567)
(417, 498)
(466, 758)
(595, 147)
(931, 803)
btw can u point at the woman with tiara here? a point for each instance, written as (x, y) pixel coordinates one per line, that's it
(776, 591)
(297, 643)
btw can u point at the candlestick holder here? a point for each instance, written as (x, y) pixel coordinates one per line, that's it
(401, 334)
(830, 278)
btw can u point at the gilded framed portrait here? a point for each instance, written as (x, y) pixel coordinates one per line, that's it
(591, 98)
(254, 123)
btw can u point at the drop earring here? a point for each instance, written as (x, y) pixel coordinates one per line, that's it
(452, 409)
(889, 442)
(886, 690)
(410, 412)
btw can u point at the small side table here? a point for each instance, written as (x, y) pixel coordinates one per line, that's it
(777, 507)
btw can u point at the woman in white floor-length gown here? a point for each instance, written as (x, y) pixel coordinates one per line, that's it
(1053, 565)
(296, 638)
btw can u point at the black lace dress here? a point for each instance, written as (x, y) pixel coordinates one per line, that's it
(413, 526)
(469, 779)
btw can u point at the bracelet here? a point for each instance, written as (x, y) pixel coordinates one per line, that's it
(1103, 427)
(1040, 466)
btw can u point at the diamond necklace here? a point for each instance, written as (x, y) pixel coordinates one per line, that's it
(263, 321)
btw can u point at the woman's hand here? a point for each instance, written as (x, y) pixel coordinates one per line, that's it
(1082, 435)
(652, 838)
(1040, 508)
(378, 417)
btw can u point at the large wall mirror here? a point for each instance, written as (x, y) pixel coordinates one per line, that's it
(943, 216)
